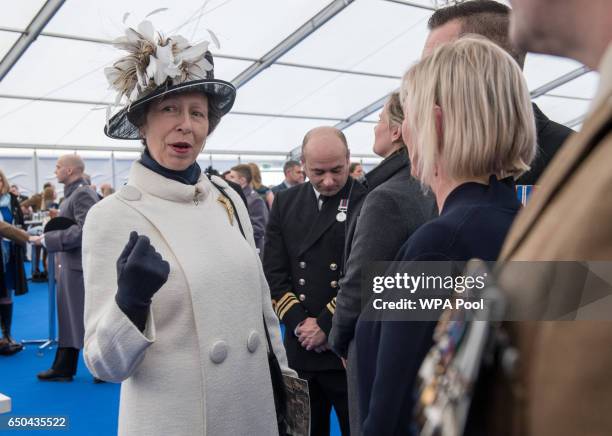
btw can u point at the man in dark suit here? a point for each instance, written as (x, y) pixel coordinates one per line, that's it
(78, 199)
(491, 19)
(294, 175)
(303, 258)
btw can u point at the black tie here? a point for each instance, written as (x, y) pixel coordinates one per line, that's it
(323, 199)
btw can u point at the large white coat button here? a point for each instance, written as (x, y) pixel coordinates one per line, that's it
(218, 351)
(253, 341)
(130, 193)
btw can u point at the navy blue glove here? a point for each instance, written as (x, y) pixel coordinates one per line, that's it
(141, 272)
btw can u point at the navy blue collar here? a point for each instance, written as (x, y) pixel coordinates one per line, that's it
(188, 176)
(500, 193)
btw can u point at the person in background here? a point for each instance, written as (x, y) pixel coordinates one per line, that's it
(392, 211)
(258, 211)
(356, 171)
(17, 193)
(32, 205)
(49, 205)
(35, 201)
(106, 189)
(491, 19)
(49, 197)
(12, 255)
(264, 192)
(210, 171)
(294, 175)
(470, 167)
(78, 199)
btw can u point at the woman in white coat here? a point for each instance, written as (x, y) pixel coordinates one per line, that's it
(175, 294)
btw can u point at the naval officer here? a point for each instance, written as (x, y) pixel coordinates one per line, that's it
(303, 256)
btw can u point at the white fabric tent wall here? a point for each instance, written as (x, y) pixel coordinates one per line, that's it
(341, 66)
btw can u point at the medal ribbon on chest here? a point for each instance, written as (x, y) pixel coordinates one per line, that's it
(342, 208)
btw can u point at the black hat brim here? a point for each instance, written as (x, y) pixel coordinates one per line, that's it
(58, 223)
(223, 96)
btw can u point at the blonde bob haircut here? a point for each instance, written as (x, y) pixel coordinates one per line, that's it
(5, 184)
(488, 127)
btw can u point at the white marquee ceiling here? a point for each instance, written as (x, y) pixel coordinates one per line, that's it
(355, 58)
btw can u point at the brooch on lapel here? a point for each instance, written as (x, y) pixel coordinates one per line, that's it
(228, 208)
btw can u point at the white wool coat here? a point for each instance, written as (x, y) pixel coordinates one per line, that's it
(200, 367)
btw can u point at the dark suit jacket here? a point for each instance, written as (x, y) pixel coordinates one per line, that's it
(394, 208)
(473, 223)
(303, 258)
(551, 137)
(280, 187)
(258, 212)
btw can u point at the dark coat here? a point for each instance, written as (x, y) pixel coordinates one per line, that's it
(394, 208)
(258, 212)
(473, 223)
(280, 187)
(303, 258)
(17, 256)
(78, 199)
(551, 137)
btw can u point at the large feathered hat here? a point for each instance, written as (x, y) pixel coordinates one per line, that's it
(155, 66)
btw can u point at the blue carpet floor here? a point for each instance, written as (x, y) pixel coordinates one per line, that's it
(92, 409)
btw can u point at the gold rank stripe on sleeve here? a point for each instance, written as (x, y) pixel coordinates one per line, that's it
(331, 306)
(285, 303)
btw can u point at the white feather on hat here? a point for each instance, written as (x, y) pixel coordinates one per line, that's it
(152, 60)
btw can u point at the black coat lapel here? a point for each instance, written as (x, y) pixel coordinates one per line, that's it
(325, 218)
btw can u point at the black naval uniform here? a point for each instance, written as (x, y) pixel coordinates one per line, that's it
(303, 257)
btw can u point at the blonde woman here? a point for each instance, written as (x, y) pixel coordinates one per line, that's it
(48, 199)
(470, 132)
(394, 208)
(263, 191)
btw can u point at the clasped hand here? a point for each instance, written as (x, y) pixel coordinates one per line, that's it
(311, 336)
